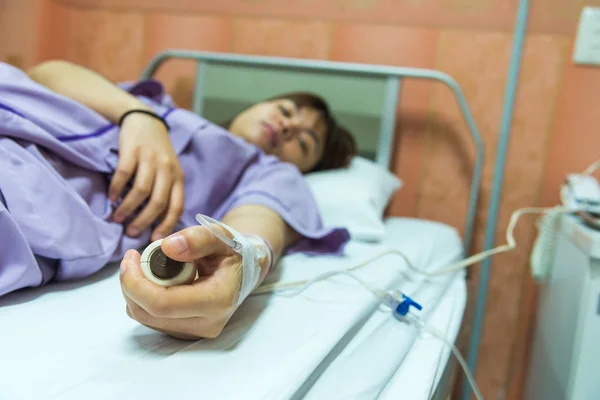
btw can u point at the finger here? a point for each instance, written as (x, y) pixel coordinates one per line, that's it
(207, 266)
(173, 212)
(157, 204)
(132, 255)
(183, 301)
(193, 243)
(122, 175)
(139, 192)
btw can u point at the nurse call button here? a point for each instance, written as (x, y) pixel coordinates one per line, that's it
(163, 270)
(164, 267)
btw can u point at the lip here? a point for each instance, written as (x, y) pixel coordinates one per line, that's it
(271, 134)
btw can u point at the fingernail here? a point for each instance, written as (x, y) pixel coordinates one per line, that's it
(133, 232)
(118, 218)
(129, 255)
(123, 266)
(177, 243)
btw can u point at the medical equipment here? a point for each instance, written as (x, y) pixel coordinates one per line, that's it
(565, 350)
(163, 270)
(579, 195)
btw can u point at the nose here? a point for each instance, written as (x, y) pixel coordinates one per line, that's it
(286, 126)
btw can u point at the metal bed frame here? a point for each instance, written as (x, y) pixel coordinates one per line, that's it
(393, 77)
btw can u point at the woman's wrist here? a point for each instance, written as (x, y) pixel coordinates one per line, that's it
(266, 260)
(144, 112)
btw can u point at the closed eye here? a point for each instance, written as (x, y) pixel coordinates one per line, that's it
(286, 113)
(303, 146)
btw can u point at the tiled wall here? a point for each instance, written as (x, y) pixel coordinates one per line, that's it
(555, 121)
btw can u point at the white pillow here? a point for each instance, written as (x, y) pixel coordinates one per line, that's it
(355, 197)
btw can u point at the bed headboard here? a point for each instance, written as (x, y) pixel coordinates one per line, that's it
(221, 90)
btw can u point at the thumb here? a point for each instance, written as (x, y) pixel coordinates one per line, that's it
(194, 243)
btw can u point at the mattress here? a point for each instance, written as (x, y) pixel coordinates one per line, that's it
(334, 340)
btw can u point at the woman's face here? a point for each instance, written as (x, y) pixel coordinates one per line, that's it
(294, 135)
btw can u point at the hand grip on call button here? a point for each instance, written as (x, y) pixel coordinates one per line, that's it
(163, 270)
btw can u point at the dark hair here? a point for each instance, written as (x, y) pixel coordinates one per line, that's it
(340, 146)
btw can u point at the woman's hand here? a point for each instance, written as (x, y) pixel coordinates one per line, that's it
(193, 311)
(146, 151)
(145, 148)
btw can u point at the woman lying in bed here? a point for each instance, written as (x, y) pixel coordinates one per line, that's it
(91, 169)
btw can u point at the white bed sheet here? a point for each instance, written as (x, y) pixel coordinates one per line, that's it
(73, 341)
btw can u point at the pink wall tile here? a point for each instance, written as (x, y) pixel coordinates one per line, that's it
(111, 43)
(19, 31)
(399, 46)
(382, 44)
(466, 7)
(558, 16)
(488, 14)
(541, 73)
(281, 38)
(477, 61)
(193, 32)
(54, 31)
(547, 16)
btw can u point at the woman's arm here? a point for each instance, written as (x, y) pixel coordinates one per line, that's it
(86, 87)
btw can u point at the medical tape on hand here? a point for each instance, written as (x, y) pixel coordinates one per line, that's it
(252, 248)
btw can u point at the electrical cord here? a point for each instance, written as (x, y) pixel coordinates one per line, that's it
(467, 262)
(511, 244)
(592, 168)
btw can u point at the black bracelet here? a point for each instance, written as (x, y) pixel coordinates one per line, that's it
(150, 113)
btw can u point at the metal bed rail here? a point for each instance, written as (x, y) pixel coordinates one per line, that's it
(392, 75)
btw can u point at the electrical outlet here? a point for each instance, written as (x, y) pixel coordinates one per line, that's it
(587, 44)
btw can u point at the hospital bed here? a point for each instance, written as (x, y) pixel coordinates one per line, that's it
(334, 340)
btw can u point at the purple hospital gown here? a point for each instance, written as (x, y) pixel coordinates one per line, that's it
(57, 158)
